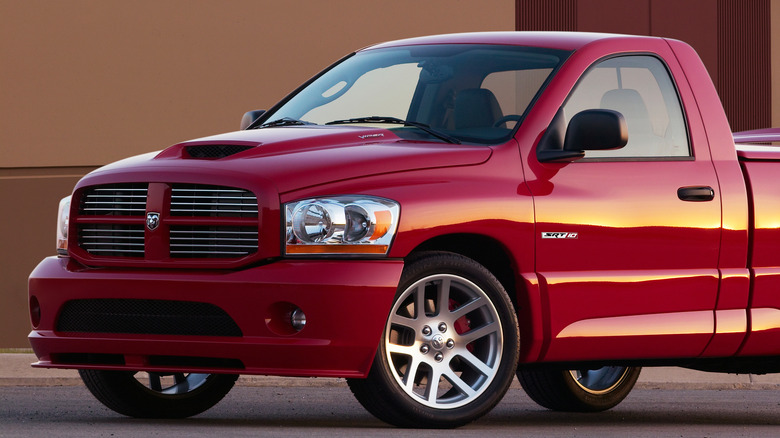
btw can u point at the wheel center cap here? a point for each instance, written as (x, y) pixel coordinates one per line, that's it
(438, 342)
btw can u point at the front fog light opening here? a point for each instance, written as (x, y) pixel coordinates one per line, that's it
(285, 319)
(298, 319)
(35, 311)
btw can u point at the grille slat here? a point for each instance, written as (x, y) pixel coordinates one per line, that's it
(209, 204)
(125, 252)
(115, 200)
(112, 240)
(214, 232)
(102, 209)
(214, 241)
(183, 212)
(115, 244)
(212, 201)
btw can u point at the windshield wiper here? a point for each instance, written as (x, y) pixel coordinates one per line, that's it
(396, 120)
(284, 121)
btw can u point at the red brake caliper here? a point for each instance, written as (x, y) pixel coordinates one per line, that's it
(463, 324)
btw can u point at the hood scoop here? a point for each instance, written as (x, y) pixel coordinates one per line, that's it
(213, 151)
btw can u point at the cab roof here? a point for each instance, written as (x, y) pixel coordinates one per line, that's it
(552, 40)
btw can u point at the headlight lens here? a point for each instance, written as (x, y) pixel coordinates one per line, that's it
(340, 225)
(63, 221)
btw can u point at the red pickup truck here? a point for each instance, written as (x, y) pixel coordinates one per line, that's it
(428, 218)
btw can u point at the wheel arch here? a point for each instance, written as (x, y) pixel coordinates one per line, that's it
(498, 259)
(484, 250)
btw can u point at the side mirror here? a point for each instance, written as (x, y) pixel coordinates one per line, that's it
(250, 117)
(595, 130)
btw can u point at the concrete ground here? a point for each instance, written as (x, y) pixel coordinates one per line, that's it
(15, 370)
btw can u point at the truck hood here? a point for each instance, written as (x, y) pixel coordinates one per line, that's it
(300, 156)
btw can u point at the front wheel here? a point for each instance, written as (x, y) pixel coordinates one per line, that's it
(157, 395)
(586, 390)
(449, 347)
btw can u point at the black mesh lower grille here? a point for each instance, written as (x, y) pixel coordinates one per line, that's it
(148, 317)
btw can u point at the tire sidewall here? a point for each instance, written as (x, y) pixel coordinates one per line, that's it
(121, 392)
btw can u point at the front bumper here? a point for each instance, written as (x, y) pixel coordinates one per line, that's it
(346, 303)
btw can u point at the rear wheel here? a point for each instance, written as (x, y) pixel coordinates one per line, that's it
(157, 395)
(449, 346)
(586, 390)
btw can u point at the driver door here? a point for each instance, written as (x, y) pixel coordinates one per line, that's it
(626, 254)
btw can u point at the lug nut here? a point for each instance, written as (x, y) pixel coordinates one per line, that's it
(450, 343)
(427, 330)
(425, 349)
(439, 357)
(442, 327)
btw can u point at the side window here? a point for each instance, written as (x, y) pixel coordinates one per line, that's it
(639, 87)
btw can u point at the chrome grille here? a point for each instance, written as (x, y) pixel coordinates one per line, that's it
(212, 201)
(196, 222)
(112, 240)
(212, 241)
(114, 200)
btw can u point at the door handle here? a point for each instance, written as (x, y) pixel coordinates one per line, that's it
(696, 193)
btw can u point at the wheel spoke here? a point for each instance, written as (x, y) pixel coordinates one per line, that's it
(419, 303)
(480, 332)
(154, 382)
(404, 322)
(411, 373)
(406, 350)
(443, 305)
(468, 307)
(432, 391)
(181, 384)
(475, 362)
(458, 383)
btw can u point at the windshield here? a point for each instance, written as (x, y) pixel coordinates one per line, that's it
(469, 93)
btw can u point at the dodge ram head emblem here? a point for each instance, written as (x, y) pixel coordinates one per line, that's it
(152, 221)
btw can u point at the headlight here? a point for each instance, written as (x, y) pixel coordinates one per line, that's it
(340, 225)
(63, 221)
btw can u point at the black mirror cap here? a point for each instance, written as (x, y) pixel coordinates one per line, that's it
(249, 118)
(596, 129)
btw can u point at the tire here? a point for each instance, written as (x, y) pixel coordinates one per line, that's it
(453, 324)
(579, 390)
(175, 395)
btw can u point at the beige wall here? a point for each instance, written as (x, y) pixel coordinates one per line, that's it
(94, 81)
(86, 82)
